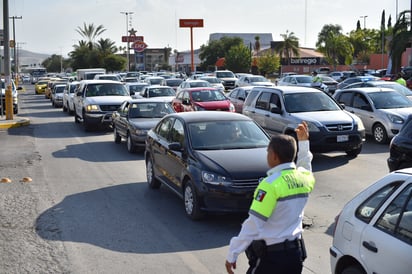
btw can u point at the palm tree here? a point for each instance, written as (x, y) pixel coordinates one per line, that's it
(106, 46)
(257, 44)
(289, 46)
(401, 39)
(90, 33)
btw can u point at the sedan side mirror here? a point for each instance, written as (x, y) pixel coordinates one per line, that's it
(175, 146)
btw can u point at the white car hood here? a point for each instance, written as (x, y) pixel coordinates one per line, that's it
(325, 117)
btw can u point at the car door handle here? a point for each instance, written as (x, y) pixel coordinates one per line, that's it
(370, 246)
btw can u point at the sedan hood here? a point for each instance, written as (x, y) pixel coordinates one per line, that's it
(240, 164)
(214, 105)
(144, 123)
(108, 100)
(403, 112)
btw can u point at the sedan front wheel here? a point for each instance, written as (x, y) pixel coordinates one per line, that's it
(191, 200)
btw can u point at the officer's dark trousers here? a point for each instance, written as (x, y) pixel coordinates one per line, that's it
(278, 262)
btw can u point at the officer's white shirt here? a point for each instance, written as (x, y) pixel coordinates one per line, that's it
(285, 223)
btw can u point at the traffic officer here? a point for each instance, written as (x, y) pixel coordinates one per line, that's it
(400, 80)
(272, 234)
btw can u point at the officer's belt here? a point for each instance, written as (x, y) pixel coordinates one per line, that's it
(284, 245)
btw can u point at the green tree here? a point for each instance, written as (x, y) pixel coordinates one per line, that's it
(216, 49)
(334, 45)
(53, 63)
(257, 44)
(268, 63)
(238, 58)
(113, 62)
(90, 33)
(401, 39)
(289, 46)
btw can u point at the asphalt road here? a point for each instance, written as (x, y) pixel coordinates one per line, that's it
(88, 208)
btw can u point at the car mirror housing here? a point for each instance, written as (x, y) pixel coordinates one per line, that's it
(175, 146)
(276, 110)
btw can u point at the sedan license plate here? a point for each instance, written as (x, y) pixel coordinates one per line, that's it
(342, 138)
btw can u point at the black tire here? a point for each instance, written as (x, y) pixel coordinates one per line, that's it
(191, 202)
(354, 152)
(130, 144)
(151, 179)
(379, 134)
(64, 108)
(353, 269)
(76, 118)
(86, 124)
(117, 137)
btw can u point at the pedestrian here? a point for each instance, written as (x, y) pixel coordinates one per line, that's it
(271, 236)
(399, 79)
(315, 78)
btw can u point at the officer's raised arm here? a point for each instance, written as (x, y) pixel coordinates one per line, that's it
(304, 158)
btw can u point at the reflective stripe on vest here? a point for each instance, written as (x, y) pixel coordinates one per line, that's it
(289, 184)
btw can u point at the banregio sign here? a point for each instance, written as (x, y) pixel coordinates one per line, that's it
(303, 61)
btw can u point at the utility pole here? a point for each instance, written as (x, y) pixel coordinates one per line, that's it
(127, 34)
(364, 21)
(16, 69)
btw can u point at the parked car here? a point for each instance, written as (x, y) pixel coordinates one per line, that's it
(280, 109)
(253, 80)
(68, 94)
(301, 80)
(135, 88)
(112, 77)
(196, 156)
(238, 96)
(173, 82)
(400, 147)
(331, 83)
(383, 111)
(14, 93)
(383, 84)
(51, 83)
(135, 118)
(158, 91)
(154, 80)
(373, 232)
(95, 101)
(203, 98)
(190, 83)
(214, 82)
(228, 77)
(356, 79)
(57, 95)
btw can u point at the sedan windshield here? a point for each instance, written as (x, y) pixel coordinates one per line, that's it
(226, 135)
(309, 101)
(388, 100)
(106, 89)
(208, 96)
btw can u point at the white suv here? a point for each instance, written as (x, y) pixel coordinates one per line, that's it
(229, 78)
(373, 233)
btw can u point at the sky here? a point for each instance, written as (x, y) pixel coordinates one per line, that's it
(49, 26)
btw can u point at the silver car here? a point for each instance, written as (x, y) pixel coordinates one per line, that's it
(280, 109)
(383, 111)
(68, 94)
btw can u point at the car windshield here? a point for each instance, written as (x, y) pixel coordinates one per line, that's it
(156, 92)
(150, 110)
(305, 79)
(225, 74)
(258, 79)
(173, 82)
(217, 135)
(106, 89)
(199, 84)
(211, 80)
(309, 101)
(208, 96)
(389, 100)
(136, 88)
(72, 88)
(398, 87)
(59, 89)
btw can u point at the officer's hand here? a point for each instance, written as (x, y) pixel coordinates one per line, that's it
(229, 267)
(302, 131)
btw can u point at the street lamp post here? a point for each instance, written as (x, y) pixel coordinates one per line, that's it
(364, 21)
(127, 35)
(16, 69)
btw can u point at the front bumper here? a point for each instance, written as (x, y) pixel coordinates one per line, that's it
(321, 142)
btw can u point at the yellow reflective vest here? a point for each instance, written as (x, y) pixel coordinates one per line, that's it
(289, 184)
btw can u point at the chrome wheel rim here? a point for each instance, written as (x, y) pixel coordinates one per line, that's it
(189, 200)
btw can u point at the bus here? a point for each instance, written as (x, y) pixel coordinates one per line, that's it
(35, 73)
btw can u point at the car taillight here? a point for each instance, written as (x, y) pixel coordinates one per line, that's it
(336, 224)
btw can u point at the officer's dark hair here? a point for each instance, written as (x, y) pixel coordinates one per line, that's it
(284, 146)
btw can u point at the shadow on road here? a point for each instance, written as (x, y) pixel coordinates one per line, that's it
(133, 218)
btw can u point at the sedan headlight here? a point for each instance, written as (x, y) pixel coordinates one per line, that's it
(395, 119)
(90, 108)
(215, 179)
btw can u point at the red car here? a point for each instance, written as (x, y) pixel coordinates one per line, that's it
(201, 98)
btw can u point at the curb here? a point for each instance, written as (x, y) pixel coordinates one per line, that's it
(14, 123)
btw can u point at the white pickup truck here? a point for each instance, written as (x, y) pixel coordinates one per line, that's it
(96, 100)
